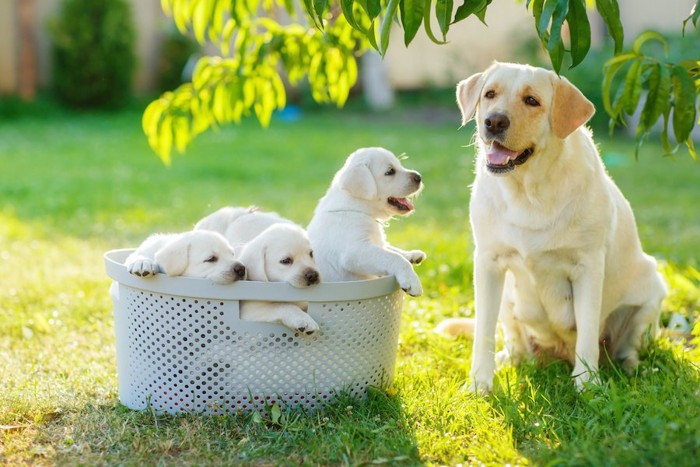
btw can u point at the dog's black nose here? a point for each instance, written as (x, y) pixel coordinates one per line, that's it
(311, 277)
(496, 123)
(417, 178)
(239, 270)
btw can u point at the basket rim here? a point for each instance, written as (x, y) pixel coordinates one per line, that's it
(245, 290)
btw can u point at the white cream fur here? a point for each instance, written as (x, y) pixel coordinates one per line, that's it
(194, 254)
(556, 247)
(347, 229)
(274, 249)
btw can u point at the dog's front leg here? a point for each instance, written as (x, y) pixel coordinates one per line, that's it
(587, 285)
(488, 293)
(376, 261)
(287, 314)
(413, 256)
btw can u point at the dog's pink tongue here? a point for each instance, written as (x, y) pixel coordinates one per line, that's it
(500, 155)
(406, 203)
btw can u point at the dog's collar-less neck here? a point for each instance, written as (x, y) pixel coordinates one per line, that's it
(355, 211)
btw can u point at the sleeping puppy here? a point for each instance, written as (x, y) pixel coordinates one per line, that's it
(194, 254)
(274, 249)
(239, 225)
(556, 247)
(347, 231)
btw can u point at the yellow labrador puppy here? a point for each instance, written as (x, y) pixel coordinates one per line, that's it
(556, 246)
(194, 254)
(347, 231)
(274, 249)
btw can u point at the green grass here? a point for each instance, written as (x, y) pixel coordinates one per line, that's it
(75, 185)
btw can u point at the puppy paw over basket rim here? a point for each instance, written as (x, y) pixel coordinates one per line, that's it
(181, 346)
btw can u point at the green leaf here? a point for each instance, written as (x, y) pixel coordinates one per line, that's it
(468, 8)
(426, 24)
(275, 413)
(610, 12)
(632, 89)
(537, 7)
(579, 31)
(684, 99)
(347, 7)
(692, 17)
(647, 36)
(481, 14)
(555, 44)
(659, 83)
(411, 18)
(443, 13)
(385, 29)
(610, 69)
(373, 8)
(320, 7)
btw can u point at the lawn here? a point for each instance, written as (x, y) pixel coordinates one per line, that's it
(73, 186)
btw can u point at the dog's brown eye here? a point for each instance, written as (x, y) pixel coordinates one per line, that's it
(286, 261)
(490, 94)
(531, 101)
(211, 259)
(391, 171)
(311, 254)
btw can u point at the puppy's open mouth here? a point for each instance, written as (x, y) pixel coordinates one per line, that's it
(401, 204)
(500, 159)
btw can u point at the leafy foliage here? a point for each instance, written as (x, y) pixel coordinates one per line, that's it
(671, 92)
(93, 52)
(259, 46)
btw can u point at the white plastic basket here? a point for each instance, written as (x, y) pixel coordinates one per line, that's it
(181, 346)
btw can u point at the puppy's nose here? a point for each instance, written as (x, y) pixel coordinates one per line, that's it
(239, 270)
(496, 123)
(311, 276)
(417, 178)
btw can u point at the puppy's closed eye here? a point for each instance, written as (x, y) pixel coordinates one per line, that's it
(286, 261)
(211, 259)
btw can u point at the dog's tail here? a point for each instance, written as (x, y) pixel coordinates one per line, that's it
(453, 327)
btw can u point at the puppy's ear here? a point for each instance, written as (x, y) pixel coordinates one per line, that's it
(254, 258)
(173, 257)
(468, 92)
(358, 180)
(570, 108)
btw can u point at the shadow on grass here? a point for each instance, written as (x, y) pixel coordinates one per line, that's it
(651, 418)
(347, 431)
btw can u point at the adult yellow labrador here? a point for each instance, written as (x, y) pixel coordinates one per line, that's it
(557, 253)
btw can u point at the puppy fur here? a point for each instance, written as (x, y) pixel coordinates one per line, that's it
(557, 253)
(202, 254)
(274, 249)
(347, 231)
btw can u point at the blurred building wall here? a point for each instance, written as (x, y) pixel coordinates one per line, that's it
(471, 46)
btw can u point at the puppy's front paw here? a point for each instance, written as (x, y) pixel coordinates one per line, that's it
(143, 267)
(410, 283)
(302, 323)
(415, 256)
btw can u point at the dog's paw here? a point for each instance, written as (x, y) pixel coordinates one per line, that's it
(415, 256)
(586, 380)
(481, 387)
(410, 283)
(143, 267)
(302, 323)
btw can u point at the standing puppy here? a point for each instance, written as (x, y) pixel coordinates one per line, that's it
(347, 231)
(556, 246)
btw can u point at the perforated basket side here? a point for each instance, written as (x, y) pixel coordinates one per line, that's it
(188, 354)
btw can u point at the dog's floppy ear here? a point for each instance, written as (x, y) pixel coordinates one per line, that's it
(468, 92)
(358, 180)
(173, 257)
(254, 258)
(570, 108)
